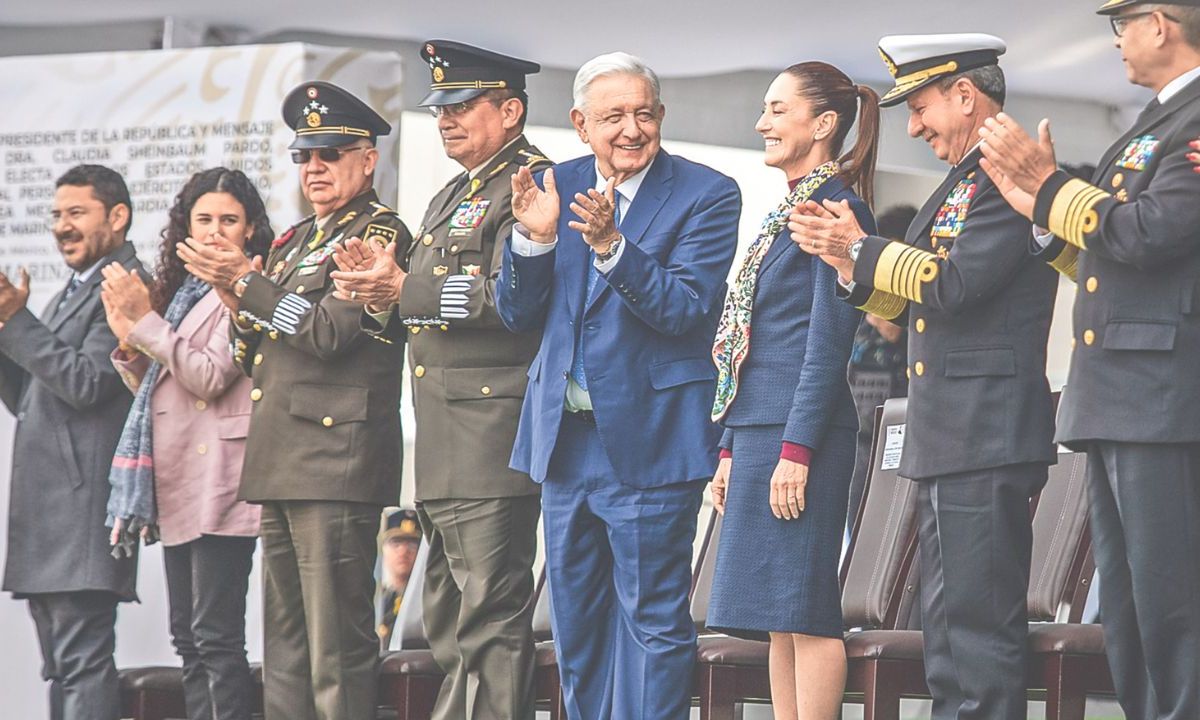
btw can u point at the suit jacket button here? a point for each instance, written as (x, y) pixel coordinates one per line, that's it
(200, 404)
(256, 394)
(427, 240)
(202, 449)
(566, 375)
(920, 325)
(327, 421)
(1089, 337)
(419, 371)
(919, 368)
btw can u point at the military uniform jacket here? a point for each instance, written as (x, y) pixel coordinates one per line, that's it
(325, 423)
(978, 309)
(1132, 239)
(468, 370)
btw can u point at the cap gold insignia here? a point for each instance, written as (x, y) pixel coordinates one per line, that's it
(313, 119)
(891, 66)
(408, 526)
(439, 74)
(440, 270)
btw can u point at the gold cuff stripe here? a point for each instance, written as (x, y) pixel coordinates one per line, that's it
(334, 130)
(1073, 214)
(470, 85)
(884, 305)
(1067, 261)
(903, 270)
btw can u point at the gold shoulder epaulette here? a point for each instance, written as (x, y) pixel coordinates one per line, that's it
(532, 158)
(381, 209)
(496, 170)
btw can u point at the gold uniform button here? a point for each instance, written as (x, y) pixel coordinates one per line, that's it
(1118, 179)
(427, 240)
(256, 394)
(919, 368)
(453, 248)
(933, 242)
(1089, 337)
(908, 373)
(415, 329)
(419, 371)
(202, 449)
(200, 404)
(1072, 343)
(274, 334)
(327, 421)
(299, 289)
(920, 325)
(258, 359)
(1092, 284)
(257, 327)
(485, 390)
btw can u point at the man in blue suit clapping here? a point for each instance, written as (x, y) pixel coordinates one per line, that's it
(620, 259)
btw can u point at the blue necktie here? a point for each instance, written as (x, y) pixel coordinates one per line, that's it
(592, 280)
(72, 285)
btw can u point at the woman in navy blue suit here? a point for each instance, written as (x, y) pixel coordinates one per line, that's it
(787, 453)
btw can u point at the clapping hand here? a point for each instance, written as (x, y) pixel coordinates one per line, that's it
(536, 209)
(126, 292)
(1017, 163)
(827, 231)
(368, 274)
(13, 297)
(596, 213)
(216, 261)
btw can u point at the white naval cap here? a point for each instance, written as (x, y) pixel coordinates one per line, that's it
(917, 60)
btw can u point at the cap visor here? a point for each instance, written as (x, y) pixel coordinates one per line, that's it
(1113, 6)
(898, 94)
(449, 97)
(323, 140)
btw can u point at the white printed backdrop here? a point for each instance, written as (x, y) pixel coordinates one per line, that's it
(156, 117)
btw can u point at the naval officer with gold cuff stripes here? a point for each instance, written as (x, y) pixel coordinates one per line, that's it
(1131, 238)
(980, 417)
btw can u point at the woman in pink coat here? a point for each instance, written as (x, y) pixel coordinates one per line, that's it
(178, 464)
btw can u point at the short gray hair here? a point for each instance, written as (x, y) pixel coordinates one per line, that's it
(1188, 17)
(988, 79)
(615, 63)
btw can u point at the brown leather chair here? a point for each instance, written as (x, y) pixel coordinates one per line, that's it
(731, 671)
(1063, 657)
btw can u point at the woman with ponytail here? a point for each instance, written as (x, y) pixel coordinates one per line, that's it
(787, 452)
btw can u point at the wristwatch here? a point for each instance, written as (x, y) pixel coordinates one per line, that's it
(854, 249)
(611, 252)
(239, 285)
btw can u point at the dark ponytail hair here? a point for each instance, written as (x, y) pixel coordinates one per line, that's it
(828, 89)
(170, 274)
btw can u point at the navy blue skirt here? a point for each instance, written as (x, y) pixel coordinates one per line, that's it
(777, 575)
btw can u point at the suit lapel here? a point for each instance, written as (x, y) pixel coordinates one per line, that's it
(924, 218)
(571, 248)
(650, 198)
(84, 292)
(1189, 94)
(779, 247)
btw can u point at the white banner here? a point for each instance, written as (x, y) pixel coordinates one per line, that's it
(157, 118)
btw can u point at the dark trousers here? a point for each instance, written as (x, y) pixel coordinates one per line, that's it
(1145, 502)
(207, 580)
(976, 539)
(321, 653)
(76, 632)
(618, 563)
(478, 604)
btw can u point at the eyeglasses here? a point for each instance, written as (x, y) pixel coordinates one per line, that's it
(1120, 22)
(329, 155)
(456, 109)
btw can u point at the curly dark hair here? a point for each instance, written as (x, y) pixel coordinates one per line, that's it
(170, 273)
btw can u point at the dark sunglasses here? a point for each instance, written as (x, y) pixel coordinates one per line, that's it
(329, 155)
(1119, 22)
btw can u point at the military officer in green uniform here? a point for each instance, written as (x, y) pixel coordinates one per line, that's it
(469, 377)
(324, 448)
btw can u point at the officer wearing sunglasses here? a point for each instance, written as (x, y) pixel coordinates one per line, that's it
(324, 446)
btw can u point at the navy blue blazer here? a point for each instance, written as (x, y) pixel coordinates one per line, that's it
(801, 335)
(648, 328)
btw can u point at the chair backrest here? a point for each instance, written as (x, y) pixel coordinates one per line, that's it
(409, 632)
(884, 541)
(702, 576)
(541, 611)
(1061, 567)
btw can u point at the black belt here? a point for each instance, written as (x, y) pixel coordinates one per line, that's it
(586, 416)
